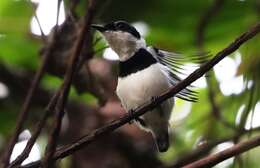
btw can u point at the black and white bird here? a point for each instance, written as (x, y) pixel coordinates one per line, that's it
(144, 73)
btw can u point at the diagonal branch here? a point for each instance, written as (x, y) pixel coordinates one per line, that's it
(204, 21)
(25, 110)
(89, 138)
(237, 149)
(200, 152)
(35, 83)
(37, 132)
(43, 37)
(65, 88)
(27, 102)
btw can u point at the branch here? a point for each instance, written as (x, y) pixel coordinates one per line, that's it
(36, 133)
(198, 153)
(59, 109)
(72, 7)
(237, 149)
(248, 108)
(85, 140)
(25, 107)
(43, 37)
(205, 20)
(212, 11)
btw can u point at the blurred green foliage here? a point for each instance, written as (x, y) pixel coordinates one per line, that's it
(16, 45)
(172, 26)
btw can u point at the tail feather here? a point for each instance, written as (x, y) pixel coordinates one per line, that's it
(162, 142)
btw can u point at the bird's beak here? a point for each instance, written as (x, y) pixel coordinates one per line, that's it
(98, 27)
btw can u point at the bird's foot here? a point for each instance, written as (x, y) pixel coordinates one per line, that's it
(154, 98)
(131, 112)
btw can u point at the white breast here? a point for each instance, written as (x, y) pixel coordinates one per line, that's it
(138, 88)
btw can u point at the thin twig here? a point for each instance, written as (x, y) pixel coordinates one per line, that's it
(205, 20)
(98, 133)
(246, 111)
(25, 109)
(38, 22)
(237, 149)
(58, 12)
(36, 133)
(200, 38)
(59, 109)
(72, 7)
(191, 156)
(198, 153)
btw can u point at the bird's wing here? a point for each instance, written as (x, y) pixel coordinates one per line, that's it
(175, 66)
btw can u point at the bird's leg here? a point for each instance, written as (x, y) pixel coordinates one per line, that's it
(140, 120)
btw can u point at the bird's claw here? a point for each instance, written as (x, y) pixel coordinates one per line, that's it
(131, 112)
(154, 98)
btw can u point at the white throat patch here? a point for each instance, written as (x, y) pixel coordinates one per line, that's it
(124, 43)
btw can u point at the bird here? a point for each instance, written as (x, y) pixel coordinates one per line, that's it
(145, 72)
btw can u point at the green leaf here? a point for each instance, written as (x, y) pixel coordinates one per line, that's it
(15, 16)
(19, 50)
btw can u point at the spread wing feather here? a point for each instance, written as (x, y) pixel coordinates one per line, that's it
(174, 65)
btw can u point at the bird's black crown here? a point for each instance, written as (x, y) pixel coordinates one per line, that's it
(122, 26)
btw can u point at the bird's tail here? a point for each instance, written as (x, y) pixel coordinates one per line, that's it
(162, 142)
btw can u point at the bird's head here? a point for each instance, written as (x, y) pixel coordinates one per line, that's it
(122, 37)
